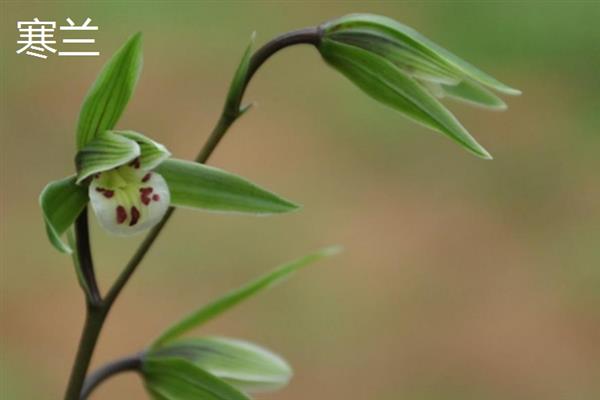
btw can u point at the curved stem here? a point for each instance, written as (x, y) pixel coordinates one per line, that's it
(228, 117)
(84, 254)
(131, 363)
(97, 312)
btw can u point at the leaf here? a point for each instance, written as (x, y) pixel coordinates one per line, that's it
(410, 38)
(177, 379)
(244, 365)
(61, 202)
(473, 93)
(199, 186)
(106, 151)
(238, 83)
(388, 84)
(109, 95)
(235, 297)
(152, 153)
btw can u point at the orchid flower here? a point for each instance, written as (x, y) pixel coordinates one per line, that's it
(129, 180)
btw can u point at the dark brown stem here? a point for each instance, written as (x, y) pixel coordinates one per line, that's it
(84, 254)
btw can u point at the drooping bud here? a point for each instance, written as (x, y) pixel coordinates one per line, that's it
(401, 68)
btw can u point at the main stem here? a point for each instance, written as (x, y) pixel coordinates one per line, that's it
(98, 309)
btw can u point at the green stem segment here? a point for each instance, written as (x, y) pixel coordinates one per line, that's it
(99, 308)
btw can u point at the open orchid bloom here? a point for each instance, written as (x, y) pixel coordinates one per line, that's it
(126, 194)
(130, 180)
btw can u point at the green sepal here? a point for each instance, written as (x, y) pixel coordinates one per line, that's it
(61, 202)
(403, 36)
(110, 93)
(412, 61)
(106, 151)
(199, 186)
(222, 304)
(388, 84)
(177, 379)
(244, 365)
(473, 93)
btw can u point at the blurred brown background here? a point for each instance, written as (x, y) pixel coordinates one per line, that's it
(461, 279)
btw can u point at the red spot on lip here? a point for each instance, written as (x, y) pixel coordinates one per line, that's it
(146, 177)
(155, 197)
(121, 214)
(135, 163)
(135, 216)
(106, 192)
(145, 195)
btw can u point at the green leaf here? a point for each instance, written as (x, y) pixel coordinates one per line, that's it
(152, 153)
(235, 297)
(471, 92)
(385, 82)
(238, 83)
(199, 186)
(244, 365)
(108, 97)
(61, 202)
(106, 151)
(407, 37)
(177, 379)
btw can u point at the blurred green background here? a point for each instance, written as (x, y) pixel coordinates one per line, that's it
(461, 279)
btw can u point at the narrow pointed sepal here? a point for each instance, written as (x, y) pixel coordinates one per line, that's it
(61, 202)
(390, 85)
(199, 186)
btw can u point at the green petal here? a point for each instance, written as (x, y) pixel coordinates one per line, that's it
(177, 379)
(235, 297)
(409, 38)
(106, 151)
(152, 153)
(414, 62)
(474, 93)
(108, 97)
(385, 82)
(244, 365)
(61, 202)
(199, 186)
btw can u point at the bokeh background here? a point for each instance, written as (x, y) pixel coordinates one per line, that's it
(461, 278)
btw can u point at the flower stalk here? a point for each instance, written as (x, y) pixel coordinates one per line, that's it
(99, 309)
